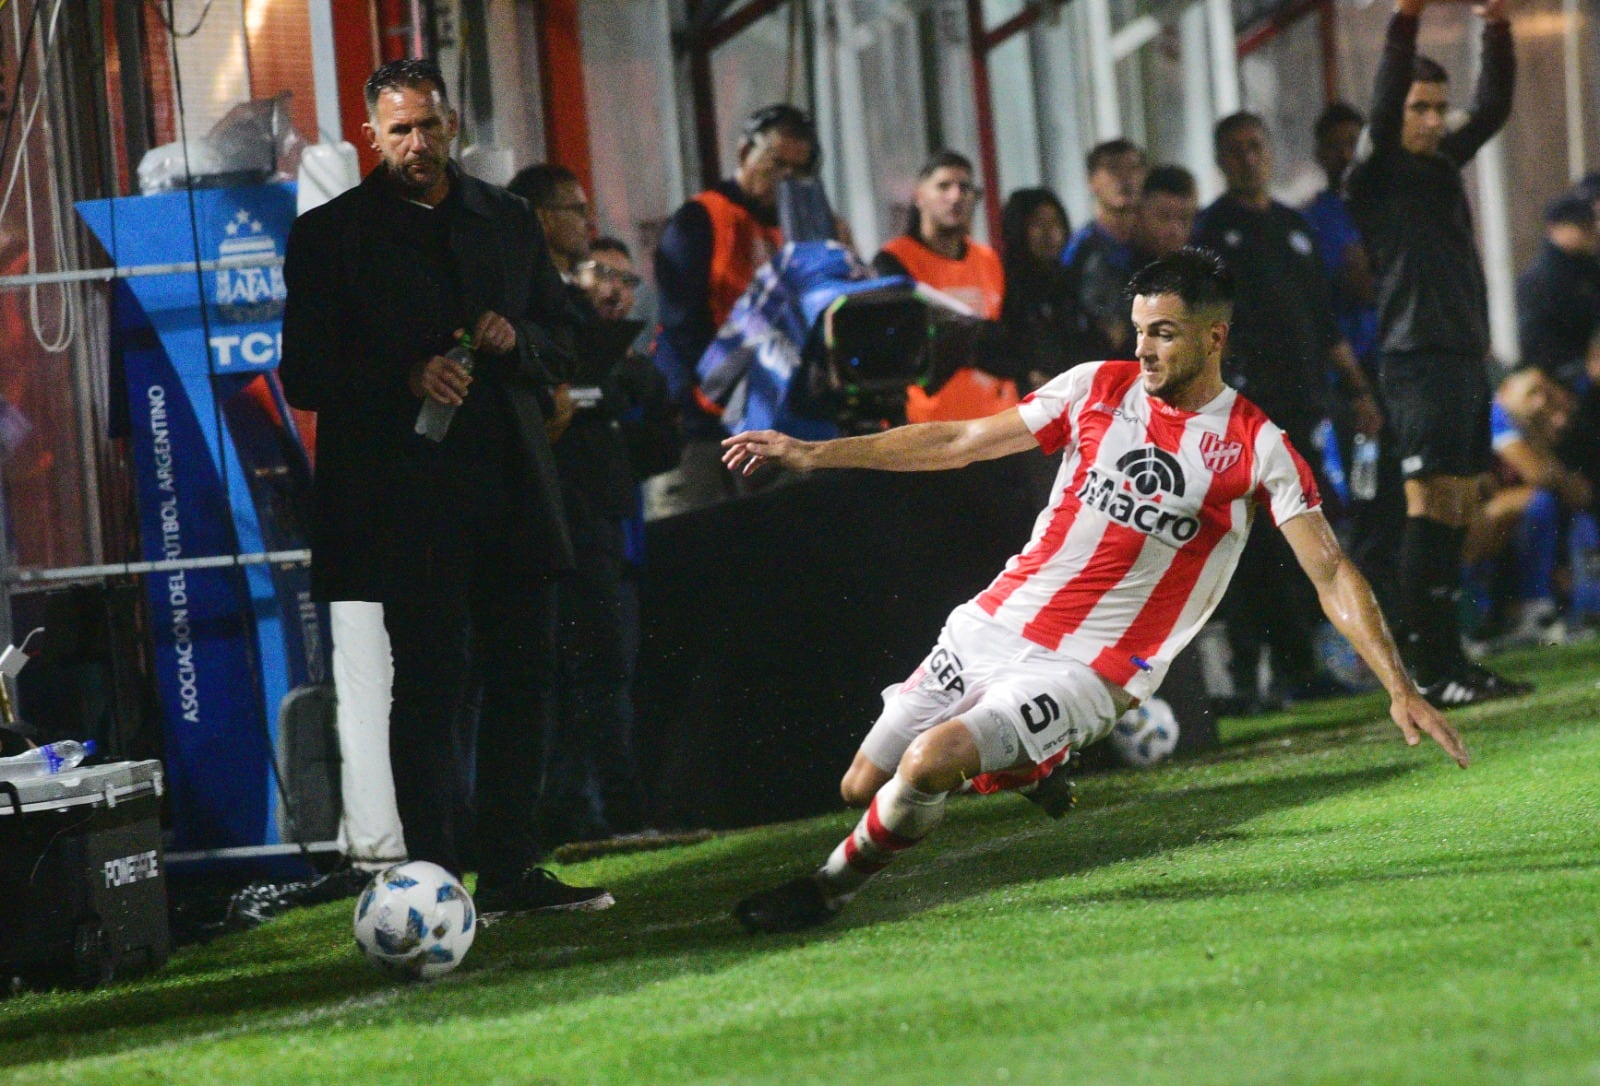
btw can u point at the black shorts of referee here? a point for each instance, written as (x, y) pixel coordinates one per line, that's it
(1438, 408)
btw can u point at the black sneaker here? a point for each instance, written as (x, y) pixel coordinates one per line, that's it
(795, 906)
(1471, 685)
(1503, 687)
(538, 891)
(1055, 795)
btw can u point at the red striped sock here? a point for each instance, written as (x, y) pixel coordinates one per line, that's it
(898, 817)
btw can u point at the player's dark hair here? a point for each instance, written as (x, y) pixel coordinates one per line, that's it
(410, 72)
(1101, 154)
(1020, 206)
(1171, 180)
(606, 244)
(541, 183)
(1194, 274)
(1235, 122)
(1427, 70)
(945, 159)
(1336, 114)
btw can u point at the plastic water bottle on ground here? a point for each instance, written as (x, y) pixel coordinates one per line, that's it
(42, 761)
(433, 421)
(1364, 468)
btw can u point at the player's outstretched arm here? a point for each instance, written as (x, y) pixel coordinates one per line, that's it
(927, 446)
(1348, 602)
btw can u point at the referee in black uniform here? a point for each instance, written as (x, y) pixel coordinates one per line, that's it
(1407, 197)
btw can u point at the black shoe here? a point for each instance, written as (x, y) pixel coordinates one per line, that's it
(538, 891)
(795, 906)
(1055, 795)
(1471, 685)
(1504, 687)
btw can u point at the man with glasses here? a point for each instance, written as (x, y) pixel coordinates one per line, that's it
(707, 256)
(591, 785)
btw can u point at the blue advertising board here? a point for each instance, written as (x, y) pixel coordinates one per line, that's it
(219, 471)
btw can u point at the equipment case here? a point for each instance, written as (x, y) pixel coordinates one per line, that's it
(83, 896)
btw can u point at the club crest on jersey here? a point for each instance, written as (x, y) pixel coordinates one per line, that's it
(1219, 455)
(1133, 496)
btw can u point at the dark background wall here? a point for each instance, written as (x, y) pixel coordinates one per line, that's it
(772, 624)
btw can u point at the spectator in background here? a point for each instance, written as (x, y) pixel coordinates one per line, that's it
(1407, 197)
(1040, 310)
(1558, 296)
(1167, 209)
(654, 439)
(1534, 496)
(938, 249)
(708, 253)
(1375, 523)
(590, 786)
(1280, 349)
(1100, 254)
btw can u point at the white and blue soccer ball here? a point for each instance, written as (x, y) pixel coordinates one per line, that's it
(415, 919)
(1146, 734)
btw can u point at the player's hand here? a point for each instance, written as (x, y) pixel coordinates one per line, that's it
(1412, 8)
(744, 453)
(441, 379)
(1414, 716)
(1493, 11)
(494, 334)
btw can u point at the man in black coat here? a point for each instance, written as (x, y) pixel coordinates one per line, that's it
(459, 539)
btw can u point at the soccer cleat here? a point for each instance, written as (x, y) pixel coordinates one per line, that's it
(1055, 795)
(536, 890)
(1502, 686)
(1472, 685)
(795, 906)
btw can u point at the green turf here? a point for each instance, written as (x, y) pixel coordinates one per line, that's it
(1312, 903)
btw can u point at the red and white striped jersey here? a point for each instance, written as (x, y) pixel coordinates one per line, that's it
(1146, 519)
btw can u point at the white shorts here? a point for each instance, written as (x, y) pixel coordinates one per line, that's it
(1021, 702)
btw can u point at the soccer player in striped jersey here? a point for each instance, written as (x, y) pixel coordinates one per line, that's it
(1165, 469)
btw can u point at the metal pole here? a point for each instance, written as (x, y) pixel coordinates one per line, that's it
(1102, 71)
(1197, 113)
(1224, 57)
(1572, 64)
(853, 152)
(325, 72)
(106, 275)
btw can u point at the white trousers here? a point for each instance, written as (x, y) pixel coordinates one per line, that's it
(363, 673)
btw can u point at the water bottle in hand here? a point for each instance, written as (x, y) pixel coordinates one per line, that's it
(433, 421)
(42, 761)
(1364, 468)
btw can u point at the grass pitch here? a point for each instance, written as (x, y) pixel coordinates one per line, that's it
(1312, 903)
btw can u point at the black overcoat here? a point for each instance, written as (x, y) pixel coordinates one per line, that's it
(360, 314)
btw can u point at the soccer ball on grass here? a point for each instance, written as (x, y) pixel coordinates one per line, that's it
(1147, 734)
(415, 919)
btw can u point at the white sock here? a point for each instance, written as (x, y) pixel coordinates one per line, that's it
(898, 817)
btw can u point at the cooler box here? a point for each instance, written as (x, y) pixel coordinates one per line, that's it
(83, 892)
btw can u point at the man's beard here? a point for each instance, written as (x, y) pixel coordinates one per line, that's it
(402, 181)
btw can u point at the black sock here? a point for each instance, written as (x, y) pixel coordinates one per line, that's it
(1444, 597)
(1411, 597)
(1430, 585)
